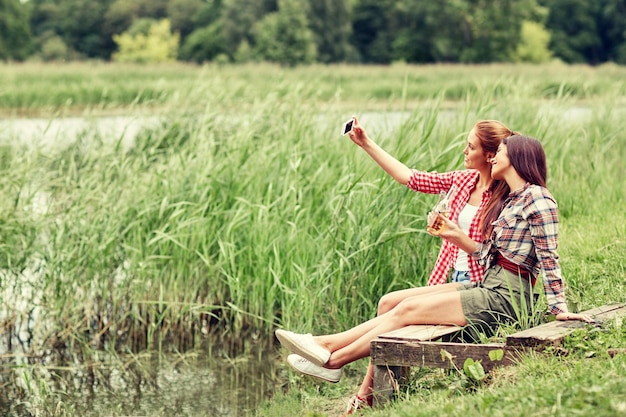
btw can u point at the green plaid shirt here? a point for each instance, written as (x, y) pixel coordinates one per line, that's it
(526, 233)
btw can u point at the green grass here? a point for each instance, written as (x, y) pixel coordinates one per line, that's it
(244, 209)
(104, 88)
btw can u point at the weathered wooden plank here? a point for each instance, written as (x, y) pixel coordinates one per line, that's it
(421, 332)
(429, 354)
(608, 311)
(396, 351)
(553, 333)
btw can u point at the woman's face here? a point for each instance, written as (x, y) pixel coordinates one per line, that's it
(475, 158)
(500, 163)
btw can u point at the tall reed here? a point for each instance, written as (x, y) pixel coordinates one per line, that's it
(231, 223)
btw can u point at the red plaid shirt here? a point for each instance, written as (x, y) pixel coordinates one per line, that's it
(434, 183)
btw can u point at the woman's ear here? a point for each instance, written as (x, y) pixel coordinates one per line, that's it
(489, 156)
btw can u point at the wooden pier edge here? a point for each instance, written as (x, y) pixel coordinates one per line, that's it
(392, 360)
(393, 354)
(553, 333)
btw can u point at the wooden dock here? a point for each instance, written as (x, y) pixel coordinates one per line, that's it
(429, 346)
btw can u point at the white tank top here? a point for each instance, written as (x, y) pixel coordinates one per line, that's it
(465, 220)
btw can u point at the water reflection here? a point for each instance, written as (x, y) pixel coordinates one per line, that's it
(201, 383)
(61, 131)
(217, 376)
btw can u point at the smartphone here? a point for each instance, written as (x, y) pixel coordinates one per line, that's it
(347, 127)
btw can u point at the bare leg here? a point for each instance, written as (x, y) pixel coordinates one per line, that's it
(334, 342)
(386, 303)
(392, 299)
(428, 308)
(367, 386)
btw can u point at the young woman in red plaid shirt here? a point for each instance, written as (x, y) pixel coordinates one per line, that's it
(474, 187)
(520, 238)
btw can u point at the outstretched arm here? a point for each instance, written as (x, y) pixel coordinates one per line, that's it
(574, 316)
(391, 165)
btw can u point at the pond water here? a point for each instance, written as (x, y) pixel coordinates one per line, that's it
(123, 129)
(55, 132)
(214, 380)
(202, 383)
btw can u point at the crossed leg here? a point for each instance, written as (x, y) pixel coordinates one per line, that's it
(439, 304)
(385, 304)
(425, 305)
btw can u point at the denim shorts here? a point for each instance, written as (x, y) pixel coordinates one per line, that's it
(459, 276)
(502, 297)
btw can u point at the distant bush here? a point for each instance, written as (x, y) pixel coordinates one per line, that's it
(533, 46)
(158, 45)
(203, 44)
(54, 49)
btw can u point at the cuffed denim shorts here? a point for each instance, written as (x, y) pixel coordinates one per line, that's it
(502, 297)
(459, 276)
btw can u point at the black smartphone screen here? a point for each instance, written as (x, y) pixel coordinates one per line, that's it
(348, 126)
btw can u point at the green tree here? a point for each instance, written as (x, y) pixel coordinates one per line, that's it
(284, 36)
(613, 29)
(44, 17)
(372, 31)
(459, 30)
(204, 44)
(120, 15)
(15, 35)
(200, 28)
(495, 30)
(53, 48)
(209, 13)
(158, 45)
(78, 23)
(182, 15)
(492, 29)
(239, 18)
(82, 27)
(430, 31)
(330, 21)
(575, 35)
(440, 31)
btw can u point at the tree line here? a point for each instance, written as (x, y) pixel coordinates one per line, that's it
(292, 32)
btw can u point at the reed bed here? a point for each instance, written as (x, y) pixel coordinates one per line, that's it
(96, 87)
(234, 222)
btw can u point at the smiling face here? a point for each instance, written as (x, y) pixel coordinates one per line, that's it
(500, 163)
(475, 157)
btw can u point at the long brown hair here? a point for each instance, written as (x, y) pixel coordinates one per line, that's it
(490, 133)
(529, 161)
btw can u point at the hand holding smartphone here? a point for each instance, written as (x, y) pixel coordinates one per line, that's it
(347, 127)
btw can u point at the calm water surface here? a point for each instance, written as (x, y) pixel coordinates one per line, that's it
(192, 384)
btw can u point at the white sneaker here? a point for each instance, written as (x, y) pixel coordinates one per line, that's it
(306, 367)
(303, 345)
